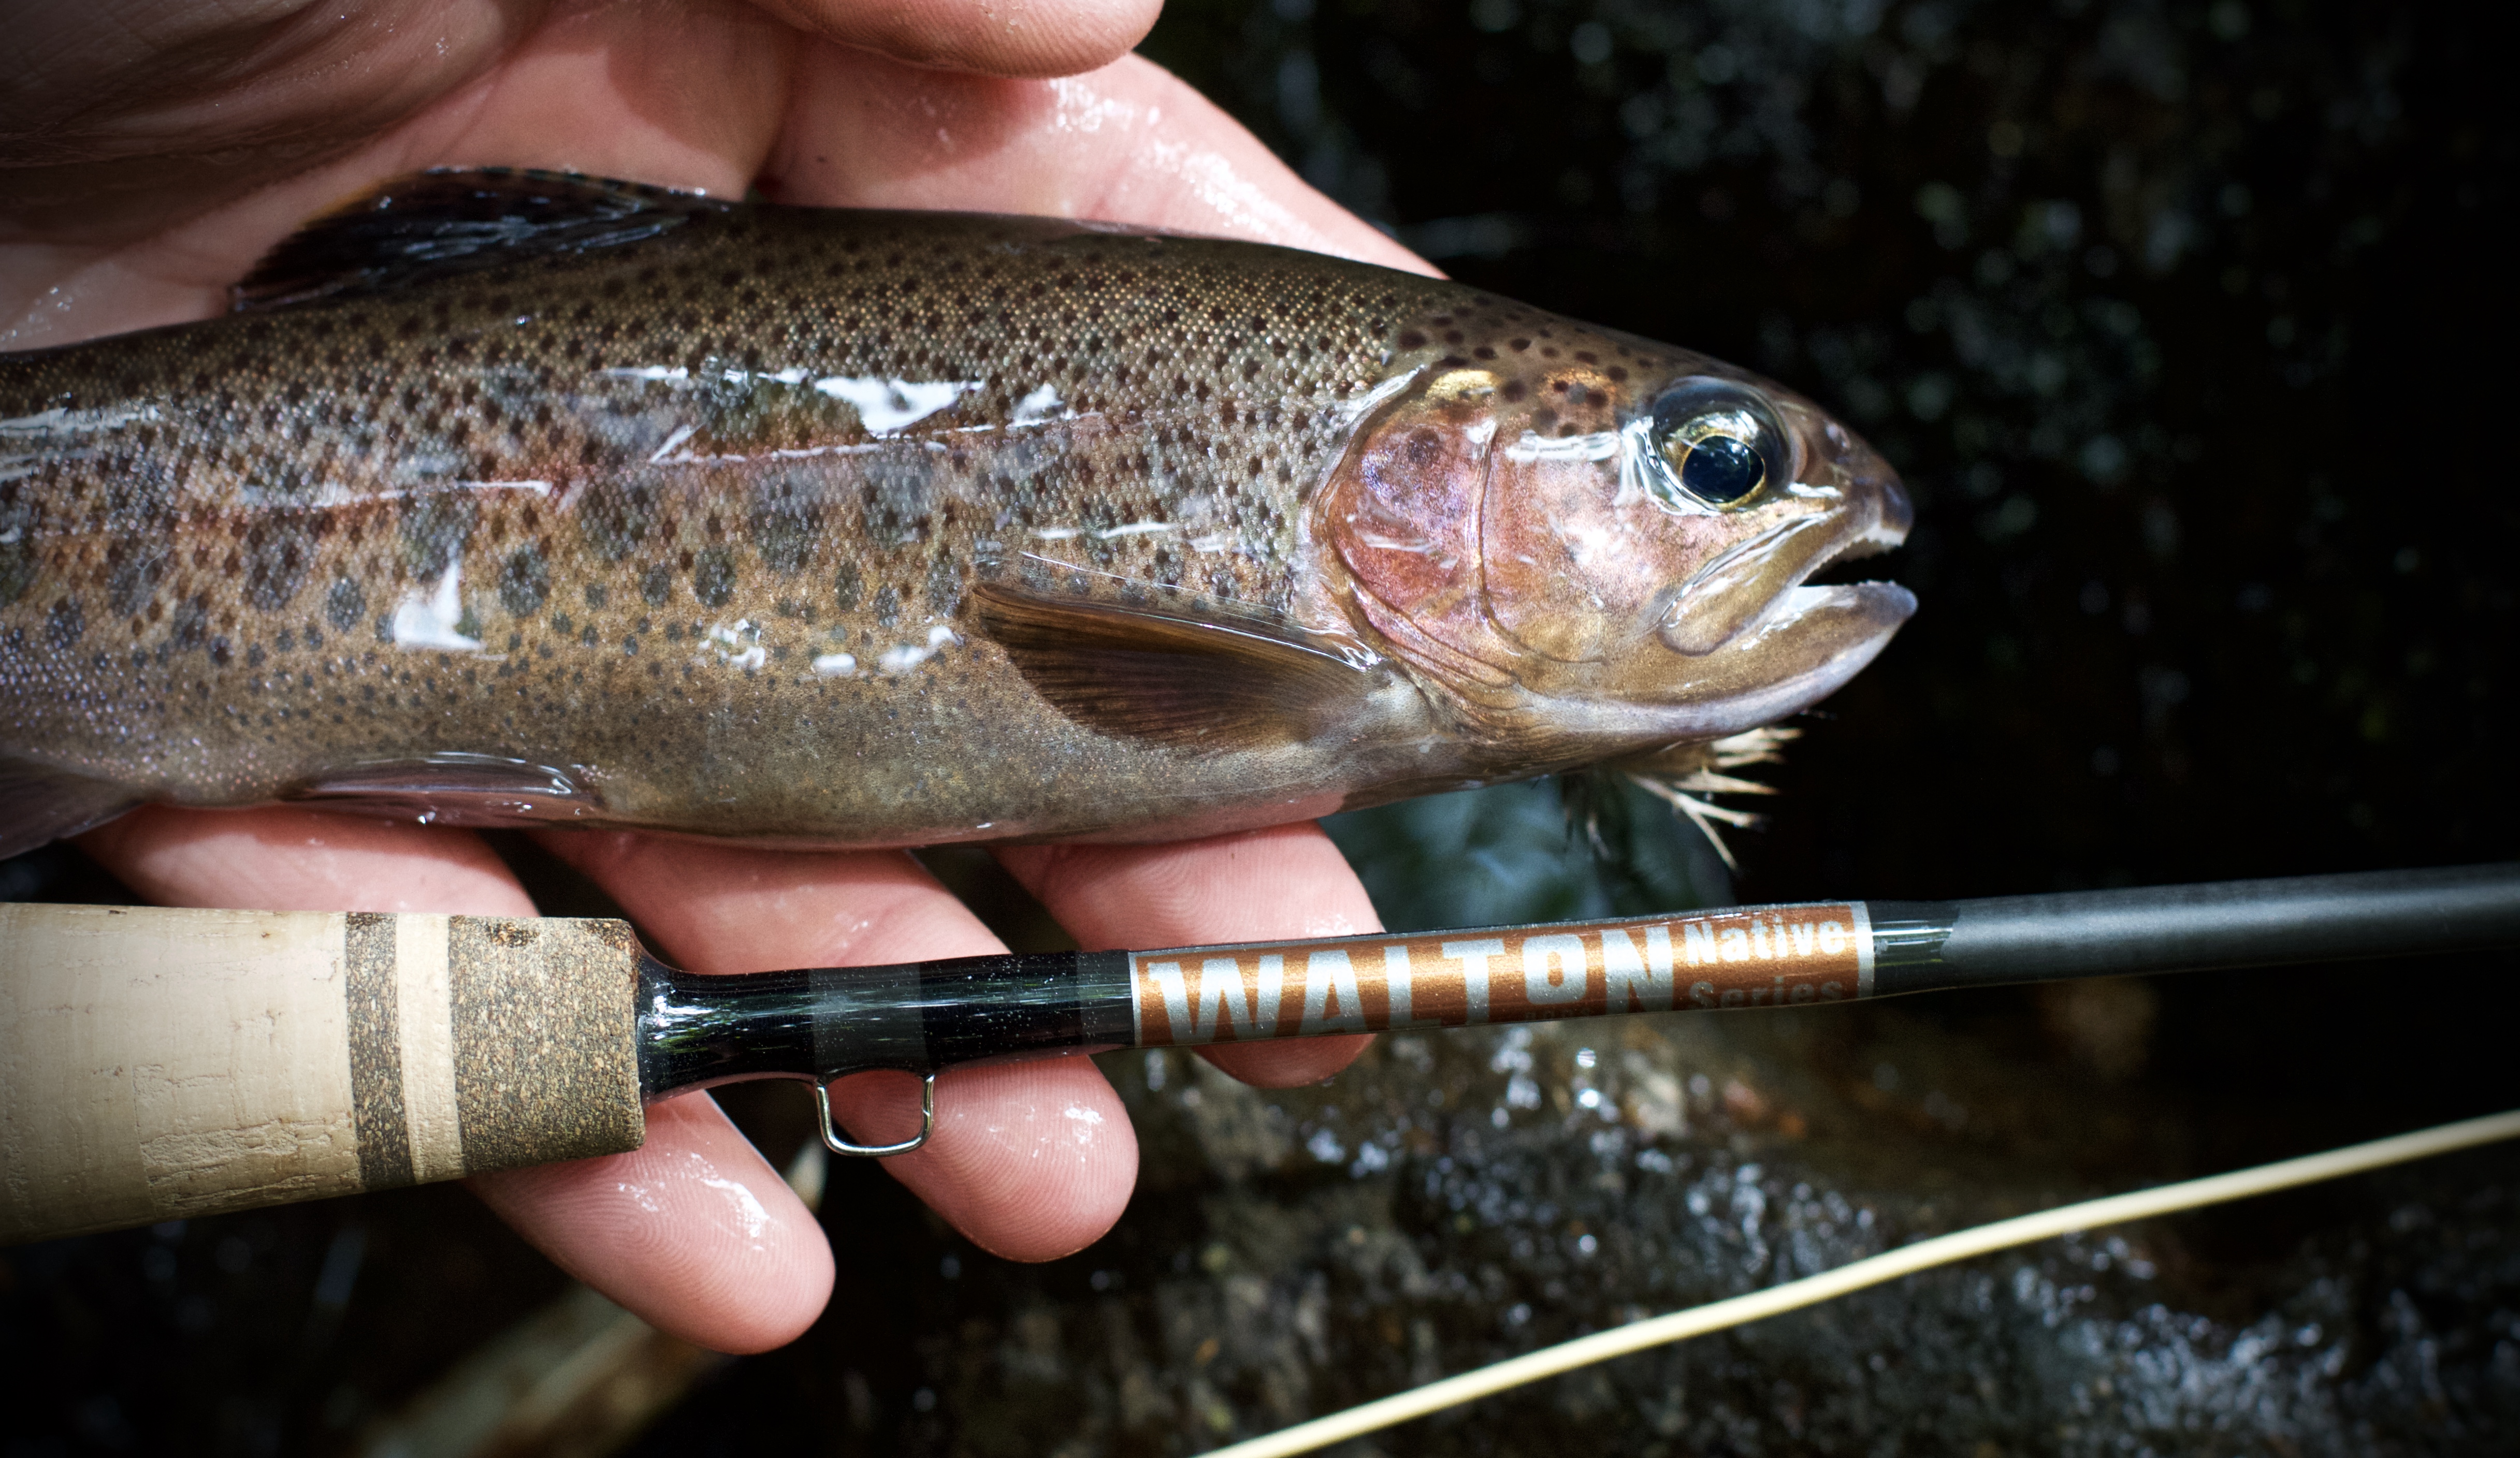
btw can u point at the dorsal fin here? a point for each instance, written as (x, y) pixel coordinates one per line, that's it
(434, 224)
(1173, 678)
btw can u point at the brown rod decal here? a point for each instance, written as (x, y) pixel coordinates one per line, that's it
(1761, 956)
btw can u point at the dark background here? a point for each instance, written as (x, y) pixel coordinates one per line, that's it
(2184, 324)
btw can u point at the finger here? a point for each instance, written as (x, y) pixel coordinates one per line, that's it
(693, 1231)
(989, 36)
(1255, 886)
(1031, 1160)
(687, 96)
(748, 1268)
(129, 112)
(1126, 144)
(284, 859)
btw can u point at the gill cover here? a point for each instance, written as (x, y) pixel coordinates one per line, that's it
(1612, 529)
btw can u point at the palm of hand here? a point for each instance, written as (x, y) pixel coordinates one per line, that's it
(140, 213)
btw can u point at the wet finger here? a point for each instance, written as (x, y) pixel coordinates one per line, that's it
(996, 39)
(283, 859)
(1031, 1160)
(1259, 885)
(687, 96)
(1128, 142)
(693, 1231)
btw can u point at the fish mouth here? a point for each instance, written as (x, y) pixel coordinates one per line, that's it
(1751, 585)
(1781, 643)
(1806, 648)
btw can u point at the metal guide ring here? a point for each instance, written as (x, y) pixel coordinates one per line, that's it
(837, 1145)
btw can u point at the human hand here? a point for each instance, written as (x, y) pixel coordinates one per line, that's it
(163, 162)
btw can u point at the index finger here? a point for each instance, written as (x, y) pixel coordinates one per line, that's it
(973, 35)
(1255, 886)
(1126, 144)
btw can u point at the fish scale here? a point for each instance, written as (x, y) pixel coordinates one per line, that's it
(692, 530)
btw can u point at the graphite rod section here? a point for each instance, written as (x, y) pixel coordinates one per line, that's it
(920, 1017)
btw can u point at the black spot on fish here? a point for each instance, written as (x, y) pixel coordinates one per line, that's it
(787, 517)
(189, 624)
(136, 566)
(713, 576)
(598, 595)
(63, 625)
(344, 605)
(279, 550)
(656, 586)
(285, 641)
(888, 607)
(254, 655)
(18, 564)
(944, 586)
(614, 515)
(435, 528)
(896, 494)
(849, 583)
(524, 581)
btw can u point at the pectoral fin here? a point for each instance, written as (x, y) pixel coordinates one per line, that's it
(452, 790)
(40, 804)
(1174, 677)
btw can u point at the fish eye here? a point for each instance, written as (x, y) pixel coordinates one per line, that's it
(1716, 444)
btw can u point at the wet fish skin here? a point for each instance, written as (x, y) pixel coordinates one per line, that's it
(829, 529)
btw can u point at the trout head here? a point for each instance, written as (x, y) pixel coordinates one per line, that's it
(1592, 543)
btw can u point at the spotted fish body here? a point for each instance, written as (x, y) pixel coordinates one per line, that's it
(514, 499)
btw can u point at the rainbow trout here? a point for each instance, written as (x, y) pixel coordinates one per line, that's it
(514, 498)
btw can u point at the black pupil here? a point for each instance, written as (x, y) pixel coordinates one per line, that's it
(1720, 468)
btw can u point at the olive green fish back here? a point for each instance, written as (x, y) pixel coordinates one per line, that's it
(537, 444)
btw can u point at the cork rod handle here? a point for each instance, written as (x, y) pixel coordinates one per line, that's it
(158, 1064)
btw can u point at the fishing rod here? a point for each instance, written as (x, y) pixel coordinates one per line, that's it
(158, 1064)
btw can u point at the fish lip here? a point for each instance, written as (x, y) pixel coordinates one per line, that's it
(1880, 609)
(1887, 604)
(1892, 515)
(1828, 634)
(1882, 529)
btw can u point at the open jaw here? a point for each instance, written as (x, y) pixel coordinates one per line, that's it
(1811, 638)
(1799, 643)
(1805, 649)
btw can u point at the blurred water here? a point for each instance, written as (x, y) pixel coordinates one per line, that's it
(1539, 850)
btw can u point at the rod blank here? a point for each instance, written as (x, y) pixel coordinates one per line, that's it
(2197, 928)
